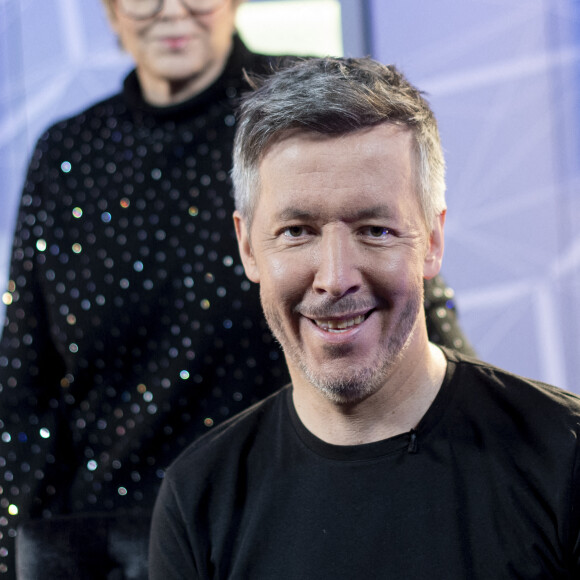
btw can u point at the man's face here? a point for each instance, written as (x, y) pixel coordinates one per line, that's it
(175, 46)
(340, 248)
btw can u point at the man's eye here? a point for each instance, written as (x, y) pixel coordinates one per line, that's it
(377, 231)
(294, 231)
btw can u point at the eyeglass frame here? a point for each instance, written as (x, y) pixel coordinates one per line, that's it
(160, 4)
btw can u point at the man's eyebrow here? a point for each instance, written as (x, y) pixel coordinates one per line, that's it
(380, 211)
(291, 214)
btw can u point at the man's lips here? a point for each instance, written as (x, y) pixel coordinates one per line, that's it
(340, 324)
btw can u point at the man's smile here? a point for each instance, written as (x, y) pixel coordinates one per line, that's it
(338, 325)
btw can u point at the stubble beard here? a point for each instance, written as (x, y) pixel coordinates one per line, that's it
(363, 380)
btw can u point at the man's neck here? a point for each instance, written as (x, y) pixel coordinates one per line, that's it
(396, 408)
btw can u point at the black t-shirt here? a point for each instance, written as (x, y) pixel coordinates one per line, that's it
(486, 487)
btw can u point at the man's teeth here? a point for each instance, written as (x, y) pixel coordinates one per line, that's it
(339, 324)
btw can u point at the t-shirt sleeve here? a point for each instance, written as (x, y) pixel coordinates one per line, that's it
(170, 551)
(575, 511)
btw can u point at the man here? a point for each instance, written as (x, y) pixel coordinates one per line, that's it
(387, 457)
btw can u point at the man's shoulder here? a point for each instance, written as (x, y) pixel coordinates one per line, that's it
(486, 384)
(236, 436)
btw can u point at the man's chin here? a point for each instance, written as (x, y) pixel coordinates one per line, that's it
(349, 387)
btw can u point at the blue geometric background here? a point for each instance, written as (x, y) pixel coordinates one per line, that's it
(503, 77)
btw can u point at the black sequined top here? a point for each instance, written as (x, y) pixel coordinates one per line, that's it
(130, 328)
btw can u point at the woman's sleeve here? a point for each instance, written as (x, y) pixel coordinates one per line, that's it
(30, 374)
(441, 314)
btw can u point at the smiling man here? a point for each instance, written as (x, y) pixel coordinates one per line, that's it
(340, 248)
(387, 456)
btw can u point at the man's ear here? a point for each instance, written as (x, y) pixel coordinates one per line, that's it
(245, 247)
(436, 243)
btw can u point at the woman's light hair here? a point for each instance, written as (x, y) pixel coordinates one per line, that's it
(335, 96)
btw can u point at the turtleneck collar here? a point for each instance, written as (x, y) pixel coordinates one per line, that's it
(231, 77)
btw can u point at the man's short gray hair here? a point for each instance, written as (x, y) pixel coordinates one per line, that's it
(335, 96)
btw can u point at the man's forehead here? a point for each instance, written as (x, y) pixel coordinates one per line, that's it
(313, 177)
(292, 140)
(382, 154)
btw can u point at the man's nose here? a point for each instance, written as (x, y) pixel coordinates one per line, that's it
(338, 267)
